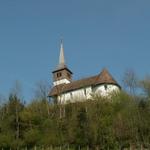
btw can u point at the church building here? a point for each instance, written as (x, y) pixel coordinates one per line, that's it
(65, 89)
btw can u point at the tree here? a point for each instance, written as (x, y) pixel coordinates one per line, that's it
(41, 90)
(17, 90)
(10, 127)
(130, 81)
(14, 109)
(32, 137)
(41, 93)
(145, 84)
(82, 128)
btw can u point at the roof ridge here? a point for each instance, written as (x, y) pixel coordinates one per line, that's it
(84, 78)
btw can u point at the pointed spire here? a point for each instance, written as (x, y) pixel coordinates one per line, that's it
(61, 56)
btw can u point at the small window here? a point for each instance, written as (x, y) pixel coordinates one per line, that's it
(71, 95)
(59, 74)
(105, 86)
(85, 92)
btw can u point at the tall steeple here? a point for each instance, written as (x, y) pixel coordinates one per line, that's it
(61, 56)
(62, 75)
(61, 63)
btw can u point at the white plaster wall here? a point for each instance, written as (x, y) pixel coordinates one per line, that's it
(79, 94)
(61, 82)
(100, 90)
(63, 98)
(82, 93)
(73, 96)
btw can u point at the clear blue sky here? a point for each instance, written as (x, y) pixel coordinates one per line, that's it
(97, 33)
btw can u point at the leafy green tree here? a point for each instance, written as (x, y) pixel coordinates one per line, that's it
(82, 128)
(32, 137)
(145, 84)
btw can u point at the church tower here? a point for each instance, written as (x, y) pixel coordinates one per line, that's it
(61, 75)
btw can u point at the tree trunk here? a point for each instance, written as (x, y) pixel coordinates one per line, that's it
(97, 147)
(47, 104)
(35, 147)
(60, 112)
(17, 123)
(132, 147)
(60, 148)
(142, 148)
(86, 109)
(51, 147)
(68, 147)
(64, 112)
(87, 147)
(79, 147)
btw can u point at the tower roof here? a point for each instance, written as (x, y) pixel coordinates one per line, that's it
(61, 65)
(61, 56)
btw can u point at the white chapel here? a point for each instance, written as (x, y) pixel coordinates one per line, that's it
(65, 89)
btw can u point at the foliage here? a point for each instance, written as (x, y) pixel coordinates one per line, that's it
(116, 122)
